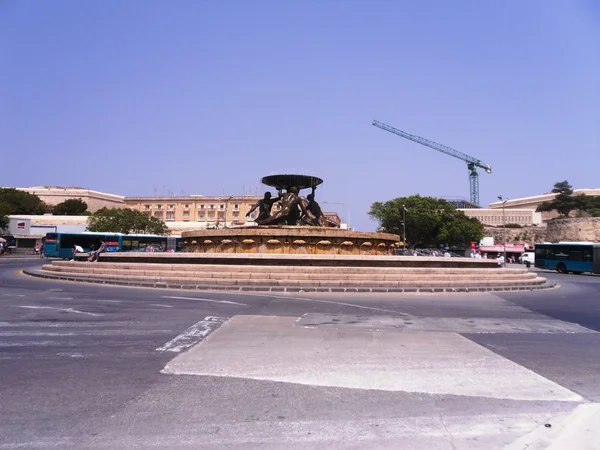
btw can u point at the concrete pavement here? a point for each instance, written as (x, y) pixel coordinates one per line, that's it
(87, 366)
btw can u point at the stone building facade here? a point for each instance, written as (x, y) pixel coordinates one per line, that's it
(496, 217)
(203, 211)
(535, 201)
(199, 211)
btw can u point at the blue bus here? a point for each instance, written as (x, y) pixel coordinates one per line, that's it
(565, 257)
(60, 245)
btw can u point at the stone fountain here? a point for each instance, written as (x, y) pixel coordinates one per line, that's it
(298, 227)
(293, 250)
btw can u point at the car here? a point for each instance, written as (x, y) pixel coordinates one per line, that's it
(527, 258)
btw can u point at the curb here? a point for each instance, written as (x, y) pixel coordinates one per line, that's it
(205, 287)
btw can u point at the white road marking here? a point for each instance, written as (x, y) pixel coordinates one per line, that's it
(28, 344)
(60, 298)
(71, 355)
(55, 290)
(352, 305)
(432, 363)
(13, 295)
(308, 299)
(162, 306)
(71, 310)
(88, 332)
(192, 335)
(206, 300)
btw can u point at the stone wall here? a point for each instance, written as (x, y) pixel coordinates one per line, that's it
(577, 229)
(525, 235)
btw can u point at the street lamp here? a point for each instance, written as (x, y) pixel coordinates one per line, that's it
(404, 227)
(503, 226)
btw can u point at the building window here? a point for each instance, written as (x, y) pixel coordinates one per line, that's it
(171, 206)
(146, 206)
(236, 214)
(158, 214)
(170, 216)
(159, 206)
(221, 215)
(212, 206)
(211, 214)
(221, 206)
(186, 214)
(201, 207)
(187, 206)
(236, 207)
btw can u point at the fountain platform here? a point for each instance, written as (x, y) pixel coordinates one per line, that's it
(284, 239)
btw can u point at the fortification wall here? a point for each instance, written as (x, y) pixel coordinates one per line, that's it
(577, 229)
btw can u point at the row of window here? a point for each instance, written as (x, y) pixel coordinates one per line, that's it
(202, 216)
(500, 219)
(172, 206)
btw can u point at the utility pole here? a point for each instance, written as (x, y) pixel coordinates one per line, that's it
(503, 226)
(404, 227)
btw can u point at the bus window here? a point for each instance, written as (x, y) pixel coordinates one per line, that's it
(587, 254)
(576, 255)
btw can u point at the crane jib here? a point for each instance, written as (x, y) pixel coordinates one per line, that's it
(472, 163)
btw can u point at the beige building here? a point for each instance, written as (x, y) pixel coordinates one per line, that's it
(199, 211)
(202, 211)
(53, 195)
(533, 202)
(495, 217)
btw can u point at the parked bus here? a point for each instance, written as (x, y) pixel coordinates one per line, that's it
(60, 245)
(565, 257)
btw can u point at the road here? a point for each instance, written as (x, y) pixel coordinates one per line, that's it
(91, 366)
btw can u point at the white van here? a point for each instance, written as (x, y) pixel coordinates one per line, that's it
(527, 258)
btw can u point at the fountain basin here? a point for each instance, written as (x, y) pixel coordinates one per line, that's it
(278, 239)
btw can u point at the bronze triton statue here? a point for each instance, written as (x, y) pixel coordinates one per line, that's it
(295, 209)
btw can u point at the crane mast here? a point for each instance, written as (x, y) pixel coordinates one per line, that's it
(472, 163)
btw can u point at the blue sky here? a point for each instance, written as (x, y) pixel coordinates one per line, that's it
(206, 97)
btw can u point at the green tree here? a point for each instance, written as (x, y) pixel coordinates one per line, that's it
(127, 221)
(4, 213)
(71, 207)
(21, 202)
(565, 201)
(429, 221)
(592, 205)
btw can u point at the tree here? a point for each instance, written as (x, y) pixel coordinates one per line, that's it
(429, 221)
(565, 201)
(127, 221)
(21, 202)
(4, 213)
(71, 207)
(592, 205)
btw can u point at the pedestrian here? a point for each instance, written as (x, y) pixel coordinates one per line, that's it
(42, 251)
(96, 253)
(76, 249)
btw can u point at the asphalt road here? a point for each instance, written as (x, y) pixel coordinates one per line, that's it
(91, 366)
